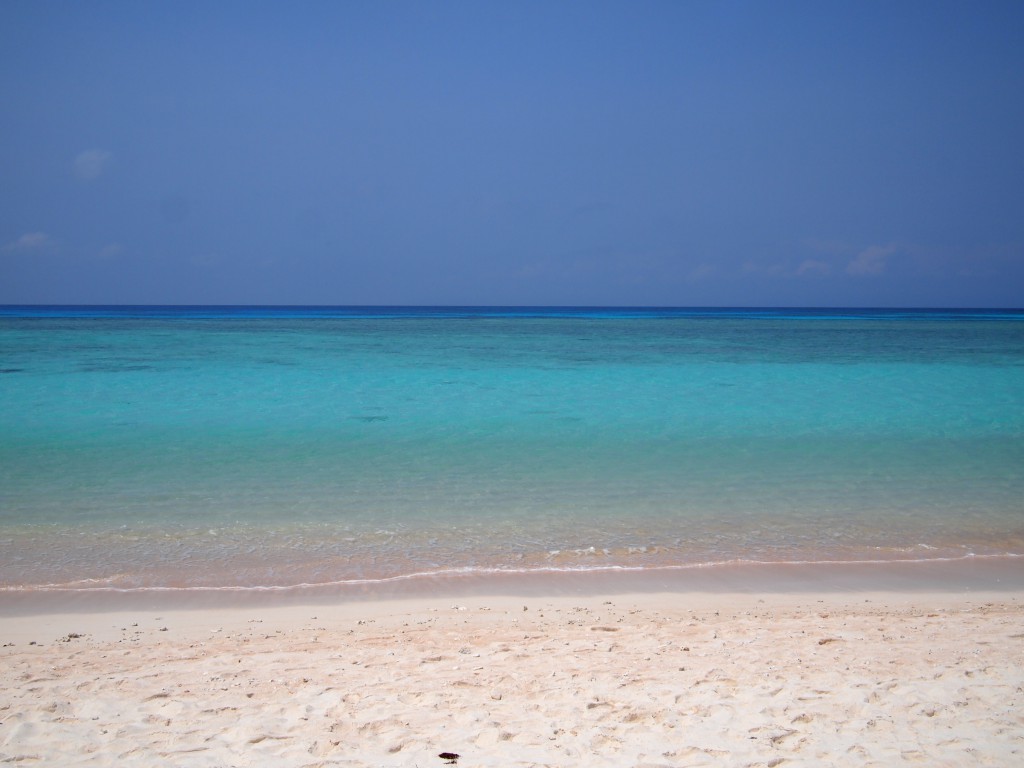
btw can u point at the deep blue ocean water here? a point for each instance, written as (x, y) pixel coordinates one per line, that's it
(256, 446)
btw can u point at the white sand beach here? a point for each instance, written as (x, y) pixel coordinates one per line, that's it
(696, 679)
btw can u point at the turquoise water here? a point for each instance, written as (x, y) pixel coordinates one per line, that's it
(216, 447)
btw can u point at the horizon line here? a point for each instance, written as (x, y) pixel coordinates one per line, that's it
(530, 306)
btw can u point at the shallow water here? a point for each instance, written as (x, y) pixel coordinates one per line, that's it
(221, 447)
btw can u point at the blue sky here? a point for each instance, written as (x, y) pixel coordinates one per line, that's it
(591, 153)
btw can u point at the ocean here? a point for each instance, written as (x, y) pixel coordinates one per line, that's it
(213, 448)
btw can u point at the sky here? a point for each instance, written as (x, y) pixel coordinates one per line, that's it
(512, 153)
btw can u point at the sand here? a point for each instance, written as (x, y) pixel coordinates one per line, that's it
(623, 680)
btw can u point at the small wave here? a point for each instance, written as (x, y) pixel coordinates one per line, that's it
(85, 585)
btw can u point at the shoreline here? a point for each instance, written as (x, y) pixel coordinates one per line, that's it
(965, 575)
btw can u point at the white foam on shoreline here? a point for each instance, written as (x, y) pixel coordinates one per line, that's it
(734, 567)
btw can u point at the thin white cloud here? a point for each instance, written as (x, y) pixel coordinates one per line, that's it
(91, 163)
(871, 261)
(30, 241)
(813, 267)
